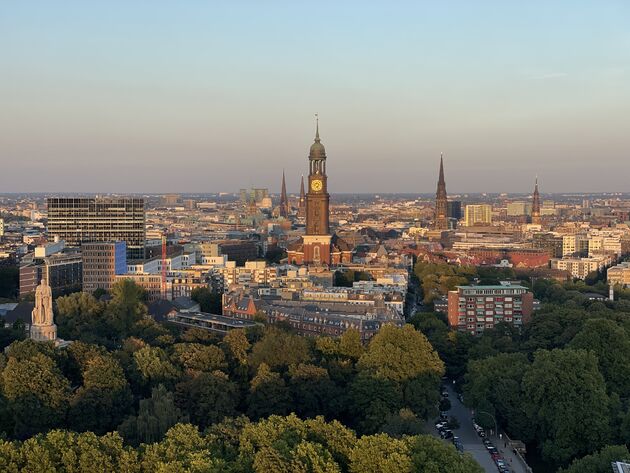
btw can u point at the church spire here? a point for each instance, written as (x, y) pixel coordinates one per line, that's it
(302, 201)
(284, 202)
(536, 204)
(441, 200)
(317, 128)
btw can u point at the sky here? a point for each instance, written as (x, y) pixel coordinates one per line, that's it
(211, 96)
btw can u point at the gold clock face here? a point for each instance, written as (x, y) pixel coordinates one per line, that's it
(316, 185)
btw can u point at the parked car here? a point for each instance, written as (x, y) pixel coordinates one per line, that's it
(459, 447)
(446, 434)
(488, 443)
(456, 439)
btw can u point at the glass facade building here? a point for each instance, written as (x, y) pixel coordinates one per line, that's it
(78, 220)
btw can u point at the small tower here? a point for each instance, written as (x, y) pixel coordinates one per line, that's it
(441, 201)
(536, 205)
(284, 201)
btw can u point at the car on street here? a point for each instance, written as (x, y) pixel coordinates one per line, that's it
(446, 434)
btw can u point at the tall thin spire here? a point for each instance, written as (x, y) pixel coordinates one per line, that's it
(441, 178)
(284, 202)
(441, 200)
(302, 201)
(317, 127)
(536, 204)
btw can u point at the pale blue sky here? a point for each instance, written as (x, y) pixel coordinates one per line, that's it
(160, 96)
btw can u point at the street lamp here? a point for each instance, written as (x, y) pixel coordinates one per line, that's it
(496, 427)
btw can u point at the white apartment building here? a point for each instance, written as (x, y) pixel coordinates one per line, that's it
(619, 275)
(581, 267)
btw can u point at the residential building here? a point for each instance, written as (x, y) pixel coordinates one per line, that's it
(619, 275)
(477, 308)
(78, 220)
(581, 267)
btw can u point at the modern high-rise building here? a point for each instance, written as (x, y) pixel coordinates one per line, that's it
(441, 201)
(102, 261)
(454, 209)
(479, 214)
(78, 220)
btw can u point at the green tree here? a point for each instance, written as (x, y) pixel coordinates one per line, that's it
(598, 462)
(313, 391)
(37, 393)
(156, 415)
(279, 349)
(400, 354)
(103, 400)
(126, 307)
(196, 358)
(236, 346)
(209, 301)
(372, 400)
(599, 335)
(432, 455)
(380, 454)
(268, 394)
(567, 402)
(152, 367)
(208, 398)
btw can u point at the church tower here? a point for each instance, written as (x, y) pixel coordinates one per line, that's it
(536, 205)
(284, 202)
(317, 238)
(441, 202)
(302, 201)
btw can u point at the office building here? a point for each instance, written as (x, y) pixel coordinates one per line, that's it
(454, 209)
(477, 308)
(102, 261)
(480, 214)
(60, 269)
(78, 220)
(518, 209)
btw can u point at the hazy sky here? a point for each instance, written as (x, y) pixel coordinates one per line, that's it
(207, 96)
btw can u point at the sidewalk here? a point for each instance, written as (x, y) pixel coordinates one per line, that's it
(511, 458)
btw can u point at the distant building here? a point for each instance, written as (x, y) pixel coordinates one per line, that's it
(78, 220)
(518, 209)
(102, 262)
(479, 214)
(171, 200)
(581, 267)
(151, 283)
(477, 308)
(1, 228)
(238, 251)
(619, 275)
(61, 271)
(454, 209)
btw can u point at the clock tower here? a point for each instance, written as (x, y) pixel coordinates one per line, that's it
(317, 238)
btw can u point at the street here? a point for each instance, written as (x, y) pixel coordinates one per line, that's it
(472, 443)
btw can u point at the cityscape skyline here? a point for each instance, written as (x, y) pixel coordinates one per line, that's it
(94, 103)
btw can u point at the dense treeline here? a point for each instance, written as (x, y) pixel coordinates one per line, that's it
(126, 374)
(561, 384)
(276, 444)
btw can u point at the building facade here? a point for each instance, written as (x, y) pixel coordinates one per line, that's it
(477, 308)
(477, 214)
(619, 275)
(78, 220)
(102, 262)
